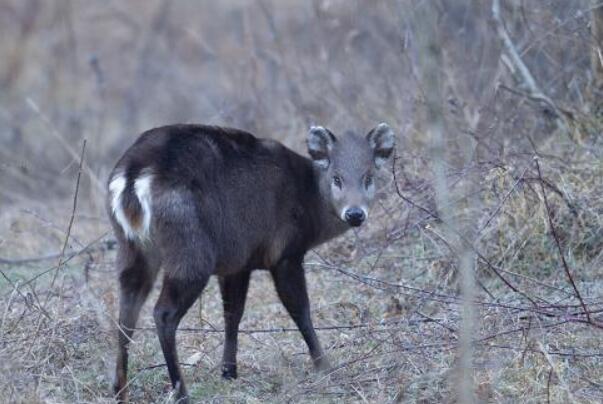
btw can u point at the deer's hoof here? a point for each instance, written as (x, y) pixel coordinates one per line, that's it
(181, 394)
(322, 365)
(120, 393)
(229, 372)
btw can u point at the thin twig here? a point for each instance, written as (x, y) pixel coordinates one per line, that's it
(528, 79)
(16, 289)
(72, 217)
(558, 243)
(85, 249)
(277, 330)
(57, 135)
(33, 260)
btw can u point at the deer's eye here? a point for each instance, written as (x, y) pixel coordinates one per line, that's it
(337, 181)
(368, 181)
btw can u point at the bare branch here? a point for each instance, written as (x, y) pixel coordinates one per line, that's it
(528, 79)
(558, 243)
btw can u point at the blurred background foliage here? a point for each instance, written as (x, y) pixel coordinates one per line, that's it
(105, 71)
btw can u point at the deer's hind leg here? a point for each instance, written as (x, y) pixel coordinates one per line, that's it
(137, 273)
(188, 259)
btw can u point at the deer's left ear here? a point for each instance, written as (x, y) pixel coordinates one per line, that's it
(381, 139)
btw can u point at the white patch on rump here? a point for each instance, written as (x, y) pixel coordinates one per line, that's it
(142, 190)
(116, 188)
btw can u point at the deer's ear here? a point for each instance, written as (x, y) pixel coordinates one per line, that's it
(320, 144)
(381, 139)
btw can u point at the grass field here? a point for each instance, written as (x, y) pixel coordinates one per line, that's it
(386, 299)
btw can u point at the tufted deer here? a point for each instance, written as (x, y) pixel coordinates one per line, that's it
(203, 200)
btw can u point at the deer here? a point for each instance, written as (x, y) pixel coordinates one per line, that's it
(198, 200)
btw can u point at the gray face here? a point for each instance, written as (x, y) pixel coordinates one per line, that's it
(347, 168)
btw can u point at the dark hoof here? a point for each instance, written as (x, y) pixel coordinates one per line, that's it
(322, 365)
(181, 394)
(182, 400)
(229, 372)
(120, 393)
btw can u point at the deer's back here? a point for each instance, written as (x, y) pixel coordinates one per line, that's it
(246, 199)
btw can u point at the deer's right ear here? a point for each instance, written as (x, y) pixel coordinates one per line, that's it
(320, 144)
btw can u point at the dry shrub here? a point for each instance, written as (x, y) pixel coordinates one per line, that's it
(385, 298)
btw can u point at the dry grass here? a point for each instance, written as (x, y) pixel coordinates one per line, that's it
(386, 298)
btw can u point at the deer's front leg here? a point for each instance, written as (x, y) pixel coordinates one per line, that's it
(290, 282)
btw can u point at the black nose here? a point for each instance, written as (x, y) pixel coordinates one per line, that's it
(354, 216)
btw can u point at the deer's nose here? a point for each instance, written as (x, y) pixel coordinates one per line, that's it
(354, 216)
